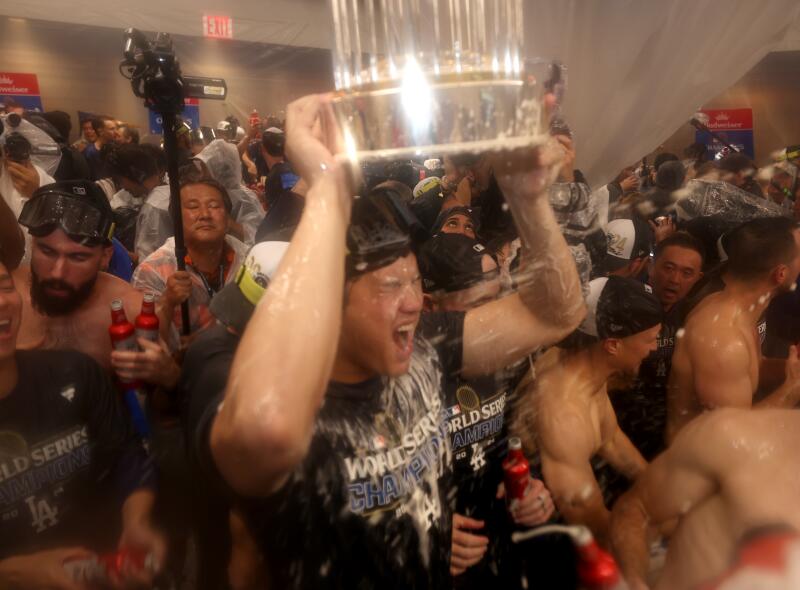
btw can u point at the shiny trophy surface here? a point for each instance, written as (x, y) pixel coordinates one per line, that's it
(416, 77)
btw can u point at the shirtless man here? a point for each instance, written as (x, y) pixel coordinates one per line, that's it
(571, 418)
(717, 489)
(718, 360)
(67, 304)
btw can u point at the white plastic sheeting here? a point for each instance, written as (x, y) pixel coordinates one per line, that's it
(639, 69)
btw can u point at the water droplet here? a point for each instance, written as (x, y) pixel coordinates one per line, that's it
(323, 571)
(680, 333)
(716, 317)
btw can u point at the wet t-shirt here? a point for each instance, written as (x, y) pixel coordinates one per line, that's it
(478, 413)
(370, 506)
(478, 429)
(68, 456)
(477, 422)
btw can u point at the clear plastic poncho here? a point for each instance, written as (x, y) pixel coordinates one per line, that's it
(222, 159)
(154, 224)
(45, 152)
(576, 212)
(706, 198)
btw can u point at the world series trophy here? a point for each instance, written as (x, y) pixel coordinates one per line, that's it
(438, 77)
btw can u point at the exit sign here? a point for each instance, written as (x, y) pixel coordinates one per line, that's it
(217, 27)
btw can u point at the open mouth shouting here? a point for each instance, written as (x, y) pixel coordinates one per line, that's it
(403, 337)
(5, 328)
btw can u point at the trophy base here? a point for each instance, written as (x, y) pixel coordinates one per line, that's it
(460, 114)
(448, 149)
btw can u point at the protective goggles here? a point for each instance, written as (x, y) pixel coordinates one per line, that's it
(78, 218)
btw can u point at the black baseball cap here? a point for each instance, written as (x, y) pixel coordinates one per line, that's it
(670, 175)
(451, 262)
(470, 212)
(273, 140)
(427, 203)
(618, 307)
(79, 207)
(662, 158)
(628, 239)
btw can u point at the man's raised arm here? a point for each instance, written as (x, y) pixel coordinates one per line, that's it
(549, 303)
(283, 363)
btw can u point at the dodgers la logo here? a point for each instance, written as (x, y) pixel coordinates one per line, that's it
(478, 459)
(43, 515)
(68, 393)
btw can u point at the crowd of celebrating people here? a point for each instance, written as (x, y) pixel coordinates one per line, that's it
(346, 353)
